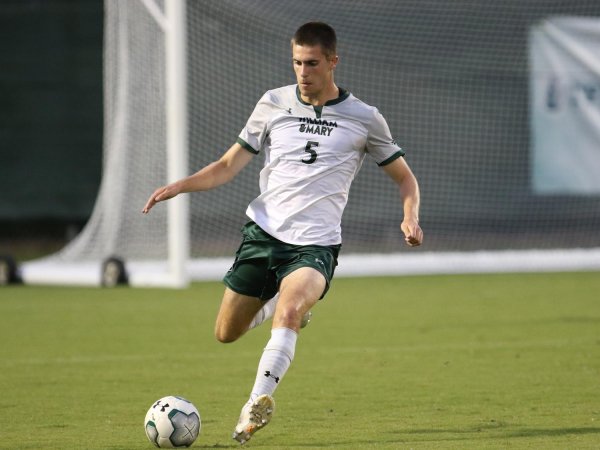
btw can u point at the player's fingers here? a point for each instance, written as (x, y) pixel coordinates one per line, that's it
(413, 235)
(160, 195)
(148, 206)
(412, 241)
(154, 198)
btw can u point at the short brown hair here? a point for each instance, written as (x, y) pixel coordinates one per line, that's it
(317, 33)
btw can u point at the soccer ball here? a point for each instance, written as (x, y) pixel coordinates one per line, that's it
(172, 422)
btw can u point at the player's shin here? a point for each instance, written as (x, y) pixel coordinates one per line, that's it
(275, 361)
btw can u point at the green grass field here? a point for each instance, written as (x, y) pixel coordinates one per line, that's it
(435, 362)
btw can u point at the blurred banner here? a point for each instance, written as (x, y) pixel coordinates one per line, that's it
(565, 105)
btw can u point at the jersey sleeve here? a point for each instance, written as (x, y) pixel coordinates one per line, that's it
(256, 130)
(380, 144)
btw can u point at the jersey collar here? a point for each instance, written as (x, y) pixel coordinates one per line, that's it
(343, 95)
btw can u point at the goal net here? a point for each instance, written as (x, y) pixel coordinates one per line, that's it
(479, 94)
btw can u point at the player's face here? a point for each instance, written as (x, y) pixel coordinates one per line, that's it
(314, 72)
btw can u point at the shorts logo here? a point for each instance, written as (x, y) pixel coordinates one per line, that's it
(318, 261)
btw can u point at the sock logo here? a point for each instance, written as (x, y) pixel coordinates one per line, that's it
(269, 374)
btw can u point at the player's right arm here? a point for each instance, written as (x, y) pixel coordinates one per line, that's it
(215, 174)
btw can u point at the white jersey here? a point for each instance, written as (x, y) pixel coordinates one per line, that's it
(312, 154)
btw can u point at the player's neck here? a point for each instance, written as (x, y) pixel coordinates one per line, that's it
(330, 93)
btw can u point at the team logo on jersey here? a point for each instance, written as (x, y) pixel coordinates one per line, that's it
(316, 126)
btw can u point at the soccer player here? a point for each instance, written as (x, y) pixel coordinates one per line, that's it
(314, 137)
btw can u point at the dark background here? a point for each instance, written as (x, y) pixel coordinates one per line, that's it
(458, 99)
(50, 120)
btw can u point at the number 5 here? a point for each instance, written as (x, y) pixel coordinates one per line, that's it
(313, 154)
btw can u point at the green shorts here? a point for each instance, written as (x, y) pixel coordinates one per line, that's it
(262, 262)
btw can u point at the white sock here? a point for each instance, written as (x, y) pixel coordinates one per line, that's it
(275, 361)
(265, 313)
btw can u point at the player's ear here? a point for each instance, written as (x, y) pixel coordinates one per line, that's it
(333, 61)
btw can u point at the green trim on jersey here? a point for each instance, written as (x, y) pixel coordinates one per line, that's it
(394, 157)
(247, 146)
(343, 95)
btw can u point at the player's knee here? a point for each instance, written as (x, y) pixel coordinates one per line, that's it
(288, 316)
(226, 334)
(225, 337)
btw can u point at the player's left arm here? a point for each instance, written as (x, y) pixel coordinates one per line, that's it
(400, 172)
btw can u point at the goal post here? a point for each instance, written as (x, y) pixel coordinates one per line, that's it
(83, 261)
(177, 139)
(495, 104)
(173, 24)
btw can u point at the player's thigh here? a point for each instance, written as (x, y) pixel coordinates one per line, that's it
(294, 271)
(235, 314)
(306, 284)
(299, 291)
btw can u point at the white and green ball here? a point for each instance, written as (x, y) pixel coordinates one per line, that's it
(172, 422)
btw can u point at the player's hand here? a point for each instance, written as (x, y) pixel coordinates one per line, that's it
(161, 194)
(413, 235)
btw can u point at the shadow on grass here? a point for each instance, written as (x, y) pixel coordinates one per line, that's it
(428, 435)
(524, 432)
(550, 432)
(499, 430)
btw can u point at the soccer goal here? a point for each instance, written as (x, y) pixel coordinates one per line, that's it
(497, 105)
